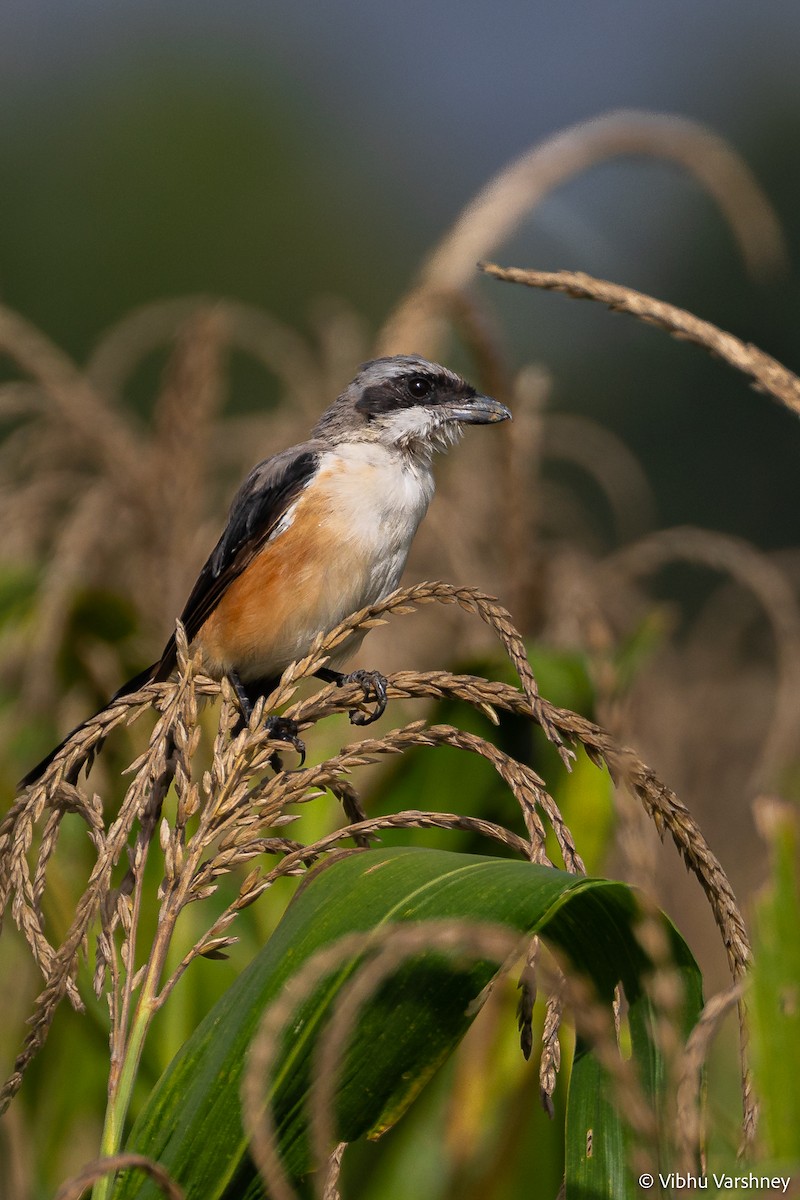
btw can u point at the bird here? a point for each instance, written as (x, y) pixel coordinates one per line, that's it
(319, 531)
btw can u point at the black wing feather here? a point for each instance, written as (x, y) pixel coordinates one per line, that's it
(261, 502)
(258, 507)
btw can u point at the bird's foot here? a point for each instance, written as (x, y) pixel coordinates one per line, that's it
(284, 729)
(245, 703)
(373, 685)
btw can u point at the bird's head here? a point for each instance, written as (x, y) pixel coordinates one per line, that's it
(410, 403)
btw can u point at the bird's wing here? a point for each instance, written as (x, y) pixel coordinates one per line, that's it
(256, 512)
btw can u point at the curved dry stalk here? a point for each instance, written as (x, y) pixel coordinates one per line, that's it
(232, 811)
(405, 600)
(458, 939)
(299, 858)
(78, 751)
(302, 857)
(111, 436)
(765, 372)
(101, 1167)
(756, 572)
(184, 417)
(520, 497)
(247, 328)
(388, 949)
(607, 460)
(28, 504)
(526, 786)
(80, 532)
(343, 336)
(394, 947)
(688, 1122)
(668, 813)
(144, 795)
(427, 306)
(499, 207)
(660, 803)
(19, 398)
(150, 475)
(664, 808)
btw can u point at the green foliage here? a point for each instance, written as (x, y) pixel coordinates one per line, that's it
(17, 591)
(776, 997)
(584, 795)
(192, 1122)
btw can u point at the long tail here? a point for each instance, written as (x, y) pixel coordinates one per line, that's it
(127, 689)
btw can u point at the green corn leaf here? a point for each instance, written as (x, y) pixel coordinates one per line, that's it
(192, 1121)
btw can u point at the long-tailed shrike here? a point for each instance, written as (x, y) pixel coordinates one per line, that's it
(321, 530)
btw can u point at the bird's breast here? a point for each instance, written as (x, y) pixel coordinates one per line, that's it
(376, 501)
(342, 545)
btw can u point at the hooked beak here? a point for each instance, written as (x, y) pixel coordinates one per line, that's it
(480, 410)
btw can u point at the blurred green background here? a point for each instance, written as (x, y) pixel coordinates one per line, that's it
(279, 153)
(273, 152)
(283, 153)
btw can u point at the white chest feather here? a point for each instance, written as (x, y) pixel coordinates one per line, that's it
(377, 499)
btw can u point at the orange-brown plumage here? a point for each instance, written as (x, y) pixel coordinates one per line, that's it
(316, 570)
(273, 608)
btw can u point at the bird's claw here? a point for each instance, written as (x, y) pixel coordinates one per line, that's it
(284, 729)
(373, 685)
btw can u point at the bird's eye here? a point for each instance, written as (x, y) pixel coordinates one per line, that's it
(419, 387)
